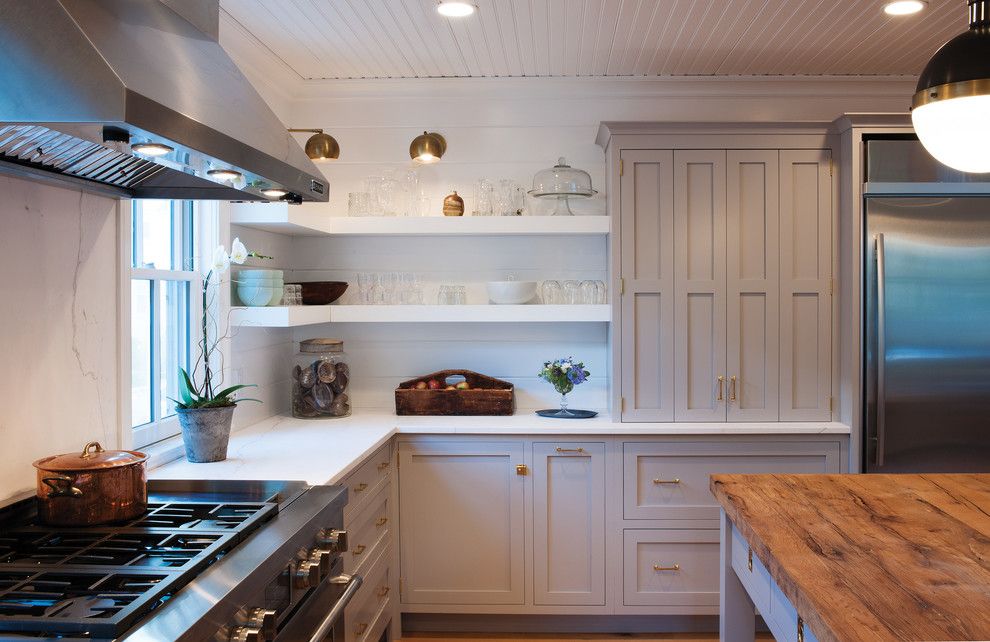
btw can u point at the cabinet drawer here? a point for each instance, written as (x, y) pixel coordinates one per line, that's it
(676, 567)
(368, 533)
(372, 600)
(755, 578)
(669, 480)
(783, 618)
(366, 481)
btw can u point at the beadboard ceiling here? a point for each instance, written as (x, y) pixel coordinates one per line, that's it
(329, 39)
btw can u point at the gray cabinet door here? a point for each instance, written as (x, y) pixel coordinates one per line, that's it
(699, 285)
(462, 522)
(752, 282)
(569, 523)
(805, 279)
(647, 264)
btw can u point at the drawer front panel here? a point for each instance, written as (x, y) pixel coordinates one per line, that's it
(365, 482)
(362, 613)
(670, 480)
(670, 567)
(753, 575)
(368, 533)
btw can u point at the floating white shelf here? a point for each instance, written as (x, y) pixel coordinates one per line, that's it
(288, 316)
(313, 220)
(281, 316)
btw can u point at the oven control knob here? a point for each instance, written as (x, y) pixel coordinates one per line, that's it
(263, 620)
(334, 539)
(322, 558)
(307, 574)
(246, 634)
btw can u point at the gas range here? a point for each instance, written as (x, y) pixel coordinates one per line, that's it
(223, 561)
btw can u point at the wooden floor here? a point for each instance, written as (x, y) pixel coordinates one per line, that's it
(536, 637)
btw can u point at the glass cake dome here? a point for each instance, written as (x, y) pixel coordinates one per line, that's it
(562, 182)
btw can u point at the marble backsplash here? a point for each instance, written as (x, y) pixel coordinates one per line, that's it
(58, 335)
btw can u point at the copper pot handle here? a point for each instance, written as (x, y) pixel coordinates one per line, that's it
(95, 445)
(61, 486)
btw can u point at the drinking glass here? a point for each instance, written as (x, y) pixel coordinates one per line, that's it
(366, 281)
(373, 187)
(589, 292)
(572, 292)
(551, 293)
(459, 294)
(601, 292)
(483, 198)
(357, 203)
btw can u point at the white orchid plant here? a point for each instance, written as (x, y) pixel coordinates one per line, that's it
(204, 394)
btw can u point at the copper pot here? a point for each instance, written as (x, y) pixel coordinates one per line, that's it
(94, 487)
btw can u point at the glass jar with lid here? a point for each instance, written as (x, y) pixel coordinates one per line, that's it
(320, 379)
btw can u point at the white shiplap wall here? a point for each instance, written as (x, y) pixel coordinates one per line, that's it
(501, 128)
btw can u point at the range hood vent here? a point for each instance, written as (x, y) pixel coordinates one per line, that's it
(84, 80)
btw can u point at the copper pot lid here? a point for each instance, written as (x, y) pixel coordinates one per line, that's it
(92, 457)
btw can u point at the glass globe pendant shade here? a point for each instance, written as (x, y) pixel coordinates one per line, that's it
(951, 105)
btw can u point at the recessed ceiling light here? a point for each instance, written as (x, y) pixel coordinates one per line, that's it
(904, 7)
(151, 149)
(274, 192)
(455, 9)
(224, 174)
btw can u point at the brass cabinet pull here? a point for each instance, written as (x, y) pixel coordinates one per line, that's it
(732, 388)
(383, 591)
(675, 480)
(749, 560)
(522, 469)
(721, 385)
(570, 450)
(360, 628)
(382, 466)
(360, 487)
(360, 548)
(658, 567)
(381, 521)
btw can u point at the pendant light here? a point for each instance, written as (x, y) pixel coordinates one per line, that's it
(428, 147)
(320, 147)
(951, 106)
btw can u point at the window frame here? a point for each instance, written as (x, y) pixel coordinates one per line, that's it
(188, 227)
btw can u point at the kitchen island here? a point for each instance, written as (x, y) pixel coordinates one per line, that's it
(843, 558)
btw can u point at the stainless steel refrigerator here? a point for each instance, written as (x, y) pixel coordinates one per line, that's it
(927, 334)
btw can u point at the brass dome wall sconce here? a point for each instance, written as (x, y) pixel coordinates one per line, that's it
(320, 147)
(427, 148)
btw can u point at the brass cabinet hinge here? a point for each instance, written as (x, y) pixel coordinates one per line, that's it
(622, 404)
(831, 404)
(622, 286)
(831, 166)
(400, 589)
(831, 286)
(621, 168)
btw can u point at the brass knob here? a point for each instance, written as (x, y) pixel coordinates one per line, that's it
(264, 620)
(381, 521)
(522, 469)
(383, 591)
(360, 548)
(246, 634)
(382, 466)
(307, 575)
(322, 558)
(360, 487)
(333, 539)
(360, 628)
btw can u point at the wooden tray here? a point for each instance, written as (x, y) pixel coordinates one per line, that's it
(487, 396)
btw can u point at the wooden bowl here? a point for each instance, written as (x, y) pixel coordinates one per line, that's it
(322, 292)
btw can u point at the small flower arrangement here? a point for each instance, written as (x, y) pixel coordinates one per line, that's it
(564, 374)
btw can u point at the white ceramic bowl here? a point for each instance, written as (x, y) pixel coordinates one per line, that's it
(255, 295)
(511, 292)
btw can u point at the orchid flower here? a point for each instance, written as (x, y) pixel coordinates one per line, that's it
(238, 253)
(221, 260)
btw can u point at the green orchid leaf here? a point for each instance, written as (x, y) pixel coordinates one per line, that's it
(226, 392)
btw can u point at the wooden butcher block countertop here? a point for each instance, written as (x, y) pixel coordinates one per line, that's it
(872, 557)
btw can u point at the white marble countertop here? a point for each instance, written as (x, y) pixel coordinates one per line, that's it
(324, 451)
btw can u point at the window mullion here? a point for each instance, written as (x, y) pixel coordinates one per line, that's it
(156, 350)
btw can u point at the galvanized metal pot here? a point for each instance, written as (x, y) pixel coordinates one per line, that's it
(205, 432)
(93, 487)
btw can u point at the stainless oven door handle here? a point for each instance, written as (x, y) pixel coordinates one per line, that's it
(353, 583)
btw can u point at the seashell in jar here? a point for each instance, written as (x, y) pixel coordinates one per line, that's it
(307, 377)
(325, 371)
(323, 396)
(340, 383)
(343, 369)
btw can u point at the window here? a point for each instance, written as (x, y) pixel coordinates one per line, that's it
(164, 305)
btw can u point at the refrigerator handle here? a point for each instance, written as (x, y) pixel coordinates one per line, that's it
(881, 349)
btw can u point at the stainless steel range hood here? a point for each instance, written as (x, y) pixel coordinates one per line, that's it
(82, 81)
